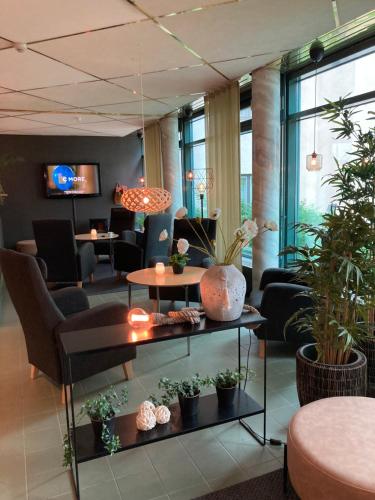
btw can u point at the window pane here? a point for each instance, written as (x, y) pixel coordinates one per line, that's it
(246, 188)
(197, 130)
(315, 199)
(245, 114)
(354, 78)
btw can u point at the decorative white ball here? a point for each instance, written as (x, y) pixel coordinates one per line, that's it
(146, 405)
(162, 414)
(145, 420)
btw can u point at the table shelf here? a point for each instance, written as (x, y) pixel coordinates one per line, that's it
(209, 415)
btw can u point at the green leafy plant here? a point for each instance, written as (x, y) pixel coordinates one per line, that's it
(186, 388)
(179, 259)
(230, 378)
(339, 267)
(102, 408)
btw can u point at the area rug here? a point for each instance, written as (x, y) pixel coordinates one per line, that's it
(105, 281)
(267, 487)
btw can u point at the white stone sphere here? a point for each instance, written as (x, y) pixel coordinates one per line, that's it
(145, 420)
(146, 406)
(162, 414)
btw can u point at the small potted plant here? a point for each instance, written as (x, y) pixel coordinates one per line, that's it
(187, 391)
(101, 410)
(226, 383)
(180, 259)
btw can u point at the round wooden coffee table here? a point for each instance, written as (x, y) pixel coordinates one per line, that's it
(191, 276)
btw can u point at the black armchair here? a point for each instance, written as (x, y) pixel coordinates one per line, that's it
(45, 315)
(121, 220)
(278, 298)
(56, 244)
(135, 250)
(192, 231)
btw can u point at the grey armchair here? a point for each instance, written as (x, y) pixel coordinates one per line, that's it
(56, 244)
(45, 315)
(121, 220)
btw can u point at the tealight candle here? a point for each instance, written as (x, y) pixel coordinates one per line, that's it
(159, 268)
(94, 233)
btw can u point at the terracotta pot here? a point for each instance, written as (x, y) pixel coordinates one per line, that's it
(318, 381)
(367, 346)
(223, 291)
(177, 268)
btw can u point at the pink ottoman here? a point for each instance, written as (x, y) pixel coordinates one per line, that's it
(331, 449)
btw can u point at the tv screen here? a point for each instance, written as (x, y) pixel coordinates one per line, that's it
(72, 179)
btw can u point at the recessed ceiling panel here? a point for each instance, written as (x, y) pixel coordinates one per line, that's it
(29, 70)
(128, 50)
(26, 103)
(348, 9)
(86, 94)
(163, 7)
(75, 118)
(252, 27)
(32, 20)
(13, 123)
(178, 102)
(112, 127)
(51, 130)
(175, 82)
(135, 108)
(239, 67)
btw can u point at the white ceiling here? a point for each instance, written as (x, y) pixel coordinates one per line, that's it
(81, 74)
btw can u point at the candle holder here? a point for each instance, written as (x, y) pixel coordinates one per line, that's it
(94, 234)
(159, 268)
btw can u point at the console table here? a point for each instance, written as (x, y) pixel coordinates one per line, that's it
(82, 439)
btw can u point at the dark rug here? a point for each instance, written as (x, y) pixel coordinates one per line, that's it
(105, 281)
(267, 487)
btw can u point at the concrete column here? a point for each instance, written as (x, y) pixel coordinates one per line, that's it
(172, 175)
(266, 166)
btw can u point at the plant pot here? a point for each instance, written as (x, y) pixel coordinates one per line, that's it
(367, 346)
(177, 268)
(225, 396)
(318, 381)
(188, 406)
(97, 426)
(223, 291)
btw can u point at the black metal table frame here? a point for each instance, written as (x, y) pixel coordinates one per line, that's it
(71, 425)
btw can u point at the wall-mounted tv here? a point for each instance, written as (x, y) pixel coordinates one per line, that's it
(67, 180)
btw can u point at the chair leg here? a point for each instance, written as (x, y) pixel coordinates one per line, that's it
(34, 371)
(79, 284)
(128, 370)
(154, 306)
(261, 348)
(62, 399)
(91, 278)
(97, 259)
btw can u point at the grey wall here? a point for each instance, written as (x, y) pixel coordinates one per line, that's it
(119, 158)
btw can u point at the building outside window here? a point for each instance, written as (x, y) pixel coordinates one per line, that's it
(307, 199)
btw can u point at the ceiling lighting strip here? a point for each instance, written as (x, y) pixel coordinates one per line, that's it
(198, 9)
(74, 113)
(175, 37)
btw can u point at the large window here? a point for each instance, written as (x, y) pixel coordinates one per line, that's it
(353, 78)
(246, 168)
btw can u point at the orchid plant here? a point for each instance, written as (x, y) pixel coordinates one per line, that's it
(243, 235)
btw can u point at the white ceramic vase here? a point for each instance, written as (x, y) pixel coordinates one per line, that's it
(223, 291)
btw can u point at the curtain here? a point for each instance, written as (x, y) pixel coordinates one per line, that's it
(152, 152)
(222, 112)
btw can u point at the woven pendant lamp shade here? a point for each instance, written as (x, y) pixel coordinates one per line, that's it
(145, 199)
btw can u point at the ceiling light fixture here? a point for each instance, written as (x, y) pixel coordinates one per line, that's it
(314, 161)
(20, 47)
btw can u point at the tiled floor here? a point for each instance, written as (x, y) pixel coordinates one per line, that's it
(32, 423)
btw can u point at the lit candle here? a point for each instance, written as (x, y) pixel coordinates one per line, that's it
(159, 268)
(94, 234)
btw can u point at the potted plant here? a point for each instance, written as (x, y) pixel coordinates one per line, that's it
(339, 270)
(187, 391)
(101, 410)
(226, 383)
(180, 259)
(223, 286)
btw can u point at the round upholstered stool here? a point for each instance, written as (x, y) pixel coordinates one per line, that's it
(331, 449)
(26, 246)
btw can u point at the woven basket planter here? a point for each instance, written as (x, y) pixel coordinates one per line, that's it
(367, 346)
(318, 381)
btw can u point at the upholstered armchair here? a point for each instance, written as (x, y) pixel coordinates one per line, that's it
(121, 220)
(56, 244)
(44, 315)
(278, 298)
(191, 230)
(135, 250)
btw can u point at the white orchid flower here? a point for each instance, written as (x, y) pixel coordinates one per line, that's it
(182, 246)
(181, 213)
(215, 214)
(163, 235)
(250, 227)
(271, 225)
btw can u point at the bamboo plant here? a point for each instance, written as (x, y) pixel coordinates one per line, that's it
(340, 267)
